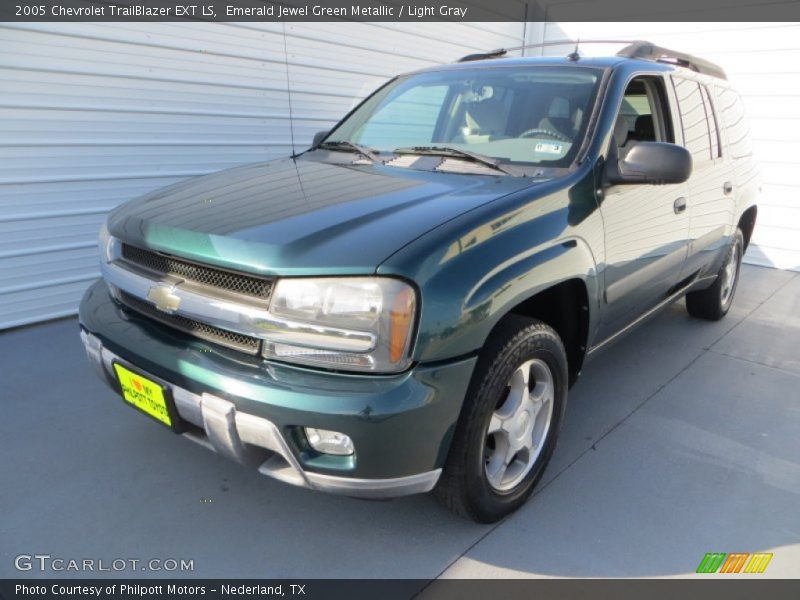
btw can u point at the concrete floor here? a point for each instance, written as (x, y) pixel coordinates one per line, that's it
(680, 440)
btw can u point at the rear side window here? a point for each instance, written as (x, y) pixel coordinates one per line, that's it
(711, 115)
(696, 130)
(732, 110)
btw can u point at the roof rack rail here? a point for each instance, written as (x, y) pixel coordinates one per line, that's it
(500, 52)
(635, 49)
(483, 55)
(649, 51)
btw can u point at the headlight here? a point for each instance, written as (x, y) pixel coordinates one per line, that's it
(356, 323)
(108, 246)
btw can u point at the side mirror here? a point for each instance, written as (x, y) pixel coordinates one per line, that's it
(318, 137)
(656, 163)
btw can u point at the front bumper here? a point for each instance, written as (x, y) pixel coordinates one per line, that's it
(253, 411)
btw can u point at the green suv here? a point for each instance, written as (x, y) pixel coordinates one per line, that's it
(404, 306)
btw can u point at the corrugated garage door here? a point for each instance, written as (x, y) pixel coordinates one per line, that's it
(763, 62)
(92, 115)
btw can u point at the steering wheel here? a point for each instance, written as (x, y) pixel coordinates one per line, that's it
(537, 131)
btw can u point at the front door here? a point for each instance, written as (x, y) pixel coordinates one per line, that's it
(646, 226)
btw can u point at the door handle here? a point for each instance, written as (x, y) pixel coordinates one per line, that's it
(727, 187)
(680, 205)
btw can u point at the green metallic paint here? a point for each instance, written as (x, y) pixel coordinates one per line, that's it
(296, 217)
(476, 268)
(475, 246)
(401, 424)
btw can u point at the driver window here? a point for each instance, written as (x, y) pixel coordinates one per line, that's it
(642, 116)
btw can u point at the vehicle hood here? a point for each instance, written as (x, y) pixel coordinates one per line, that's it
(302, 216)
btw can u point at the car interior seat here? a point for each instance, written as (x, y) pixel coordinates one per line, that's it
(485, 120)
(559, 118)
(644, 129)
(621, 131)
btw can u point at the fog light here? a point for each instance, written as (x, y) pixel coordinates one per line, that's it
(329, 442)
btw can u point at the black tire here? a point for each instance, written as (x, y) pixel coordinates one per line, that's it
(463, 486)
(712, 304)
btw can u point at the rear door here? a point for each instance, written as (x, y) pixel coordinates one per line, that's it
(711, 187)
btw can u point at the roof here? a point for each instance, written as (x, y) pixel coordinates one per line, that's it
(518, 61)
(648, 54)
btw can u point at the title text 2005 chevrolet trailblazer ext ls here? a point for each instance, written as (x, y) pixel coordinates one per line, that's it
(403, 307)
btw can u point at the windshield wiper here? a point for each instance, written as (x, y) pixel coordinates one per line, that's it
(346, 146)
(494, 163)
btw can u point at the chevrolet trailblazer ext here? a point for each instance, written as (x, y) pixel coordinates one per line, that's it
(403, 307)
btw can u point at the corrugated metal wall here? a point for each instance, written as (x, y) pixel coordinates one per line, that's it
(761, 60)
(92, 115)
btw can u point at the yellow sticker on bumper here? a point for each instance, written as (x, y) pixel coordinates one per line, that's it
(144, 394)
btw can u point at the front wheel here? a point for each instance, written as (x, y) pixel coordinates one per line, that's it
(714, 303)
(509, 423)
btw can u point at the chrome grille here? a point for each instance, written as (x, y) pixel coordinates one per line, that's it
(248, 285)
(223, 337)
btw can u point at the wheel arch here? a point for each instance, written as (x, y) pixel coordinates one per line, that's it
(747, 223)
(558, 286)
(565, 307)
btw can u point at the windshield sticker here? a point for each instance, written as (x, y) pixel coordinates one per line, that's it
(549, 147)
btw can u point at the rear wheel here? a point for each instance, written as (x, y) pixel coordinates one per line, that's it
(509, 424)
(714, 303)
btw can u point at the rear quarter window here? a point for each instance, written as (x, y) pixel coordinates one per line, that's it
(731, 108)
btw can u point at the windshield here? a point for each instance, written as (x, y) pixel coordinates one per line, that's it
(531, 115)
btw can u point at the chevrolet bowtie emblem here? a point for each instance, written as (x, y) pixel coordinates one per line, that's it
(163, 298)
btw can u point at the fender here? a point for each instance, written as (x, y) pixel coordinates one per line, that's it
(748, 185)
(474, 270)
